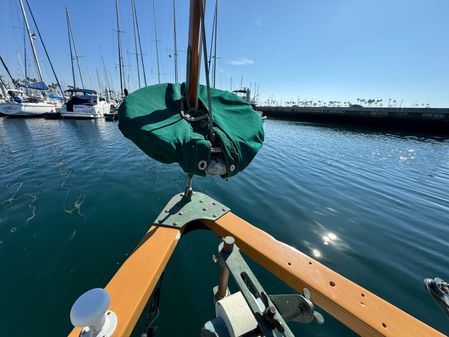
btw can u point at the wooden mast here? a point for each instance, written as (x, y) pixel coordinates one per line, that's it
(193, 54)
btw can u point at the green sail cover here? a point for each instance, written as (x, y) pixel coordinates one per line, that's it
(151, 118)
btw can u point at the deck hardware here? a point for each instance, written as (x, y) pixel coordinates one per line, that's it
(269, 320)
(90, 312)
(297, 307)
(222, 290)
(270, 311)
(182, 209)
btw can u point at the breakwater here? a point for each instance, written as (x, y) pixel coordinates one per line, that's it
(433, 120)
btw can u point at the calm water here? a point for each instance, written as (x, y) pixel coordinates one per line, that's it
(76, 197)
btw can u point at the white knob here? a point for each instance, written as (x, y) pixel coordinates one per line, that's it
(90, 309)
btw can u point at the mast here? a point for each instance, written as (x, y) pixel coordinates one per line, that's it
(141, 53)
(36, 60)
(70, 46)
(119, 41)
(25, 53)
(99, 82)
(74, 49)
(157, 47)
(215, 42)
(104, 70)
(193, 54)
(175, 43)
(133, 5)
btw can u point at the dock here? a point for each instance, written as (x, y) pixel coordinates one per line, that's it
(431, 120)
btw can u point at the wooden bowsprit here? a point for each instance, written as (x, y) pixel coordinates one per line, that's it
(357, 308)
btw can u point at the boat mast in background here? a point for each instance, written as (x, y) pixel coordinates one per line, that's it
(25, 68)
(175, 55)
(140, 45)
(70, 46)
(156, 42)
(36, 60)
(133, 7)
(108, 83)
(69, 23)
(213, 44)
(120, 54)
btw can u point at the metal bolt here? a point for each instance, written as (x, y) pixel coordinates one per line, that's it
(166, 211)
(271, 311)
(214, 203)
(228, 244)
(223, 209)
(201, 201)
(205, 209)
(175, 223)
(214, 215)
(181, 213)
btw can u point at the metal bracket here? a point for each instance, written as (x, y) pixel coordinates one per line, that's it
(266, 314)
(182, 209)
(297, 308)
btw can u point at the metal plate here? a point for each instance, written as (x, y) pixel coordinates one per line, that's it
(181, 210)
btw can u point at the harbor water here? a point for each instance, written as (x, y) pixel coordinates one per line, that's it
(76, 197)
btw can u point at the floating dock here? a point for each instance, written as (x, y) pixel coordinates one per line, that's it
(432, 120)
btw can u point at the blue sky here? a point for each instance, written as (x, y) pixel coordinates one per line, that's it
(306, 49)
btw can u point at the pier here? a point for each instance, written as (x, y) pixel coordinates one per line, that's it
(432, 120)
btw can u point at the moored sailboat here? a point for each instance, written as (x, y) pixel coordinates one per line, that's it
(35, 102)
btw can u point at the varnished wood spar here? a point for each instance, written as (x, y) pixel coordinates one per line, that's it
(132, 285)
(354, 306)
(193, 53)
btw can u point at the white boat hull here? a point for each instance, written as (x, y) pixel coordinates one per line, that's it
(86, 111)
(27, 109)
